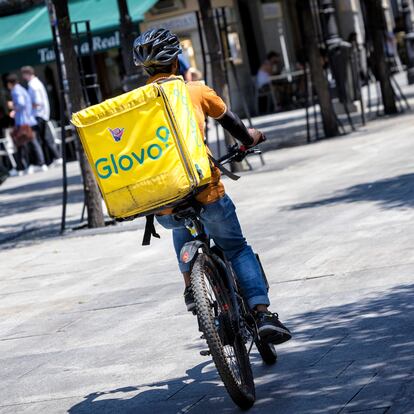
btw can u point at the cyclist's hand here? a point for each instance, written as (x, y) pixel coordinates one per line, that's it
(257, 136)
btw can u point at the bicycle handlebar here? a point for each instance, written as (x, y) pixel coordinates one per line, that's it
(238, 153)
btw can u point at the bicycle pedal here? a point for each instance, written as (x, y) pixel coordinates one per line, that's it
(205, 352)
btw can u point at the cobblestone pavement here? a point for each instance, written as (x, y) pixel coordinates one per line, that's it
(95, 323)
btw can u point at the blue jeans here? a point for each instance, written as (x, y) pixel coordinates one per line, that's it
(222, 225)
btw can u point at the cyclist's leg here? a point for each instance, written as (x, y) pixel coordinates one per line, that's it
(180, 236)
(222, 224)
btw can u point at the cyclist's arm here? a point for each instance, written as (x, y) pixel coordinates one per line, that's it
(232, 123)
(215, 107)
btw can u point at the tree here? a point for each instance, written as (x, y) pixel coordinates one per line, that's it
(376, 28)
(217, 63)
(128, 35)
(92, 195)
(319, 80)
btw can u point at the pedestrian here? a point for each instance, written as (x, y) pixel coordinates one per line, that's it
(195, 74)
(271, 66)
(184, 68)
(41, 111)
(24, 134)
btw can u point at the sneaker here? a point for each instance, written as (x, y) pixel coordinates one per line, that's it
(13, 172)
(57, 162)
(271, 329)
(189, 299)
(42, 168)
(30, 170)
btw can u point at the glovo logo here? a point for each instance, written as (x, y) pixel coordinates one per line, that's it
(117, 133)
(106, 166)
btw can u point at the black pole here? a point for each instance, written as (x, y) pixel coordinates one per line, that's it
(330, 30)
(222, 49)
(356, 80)
(229, 59)
(203, 54)
(80, 63)
(308, 135)
(233, 67)
(94, 75)
(408, 38)
(203, 49)
(62, 98)
(338, 53)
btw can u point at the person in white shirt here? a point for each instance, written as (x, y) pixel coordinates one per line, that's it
(271, 66)
(41, 111)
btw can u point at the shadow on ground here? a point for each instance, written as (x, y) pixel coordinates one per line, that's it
(29, 197)
(356, 357)
(394, 192)
(38, 186)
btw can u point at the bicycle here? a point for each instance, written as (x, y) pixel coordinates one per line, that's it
(225, 320)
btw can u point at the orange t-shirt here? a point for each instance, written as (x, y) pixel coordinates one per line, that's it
(205, 103)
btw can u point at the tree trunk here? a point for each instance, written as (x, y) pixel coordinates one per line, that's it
(93, 198)
(319, 80)
(376, 28)
(217, 65)
(128, 35)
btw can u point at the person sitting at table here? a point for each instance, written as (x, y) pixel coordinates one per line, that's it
(270, 67)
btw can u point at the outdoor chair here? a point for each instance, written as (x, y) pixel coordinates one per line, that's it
(264, 92)
(7, 147)
(55, 131)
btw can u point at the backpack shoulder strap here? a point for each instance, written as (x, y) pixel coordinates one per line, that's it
(224, 170)
(149, 230)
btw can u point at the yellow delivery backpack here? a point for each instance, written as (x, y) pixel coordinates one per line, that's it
(145, 148)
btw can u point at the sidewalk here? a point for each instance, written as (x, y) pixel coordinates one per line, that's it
(97, 324)
(30, 206)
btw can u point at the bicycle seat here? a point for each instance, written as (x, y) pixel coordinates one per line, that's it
(186, 210)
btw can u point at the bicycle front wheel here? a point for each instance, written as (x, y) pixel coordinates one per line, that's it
(227, 348)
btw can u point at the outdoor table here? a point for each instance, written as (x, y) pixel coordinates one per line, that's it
(285, 78)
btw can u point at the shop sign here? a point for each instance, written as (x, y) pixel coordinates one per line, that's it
(100, 43)
(272, 10)
(186, 21)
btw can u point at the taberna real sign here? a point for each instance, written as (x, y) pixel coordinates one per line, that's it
(100, 43)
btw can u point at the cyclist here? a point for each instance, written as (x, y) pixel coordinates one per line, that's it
(157, 52)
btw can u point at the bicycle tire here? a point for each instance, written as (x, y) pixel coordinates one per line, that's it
(267, 352)
(241, 392)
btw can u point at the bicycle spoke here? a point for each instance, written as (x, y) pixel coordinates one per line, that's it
(232, 358)
(226, 345)
(228, 350)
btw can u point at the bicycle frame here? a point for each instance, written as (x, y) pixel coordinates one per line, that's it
(201, 244)
(190, 213)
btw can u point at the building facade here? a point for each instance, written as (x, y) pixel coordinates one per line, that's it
(254, 28)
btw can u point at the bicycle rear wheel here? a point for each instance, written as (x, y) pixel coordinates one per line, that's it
(227, 348)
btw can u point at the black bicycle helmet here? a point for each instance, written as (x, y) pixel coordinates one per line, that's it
(156, 47)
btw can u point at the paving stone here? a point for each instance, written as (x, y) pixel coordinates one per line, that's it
(94, 323)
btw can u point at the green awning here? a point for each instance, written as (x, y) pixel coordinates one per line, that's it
(26, 38)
